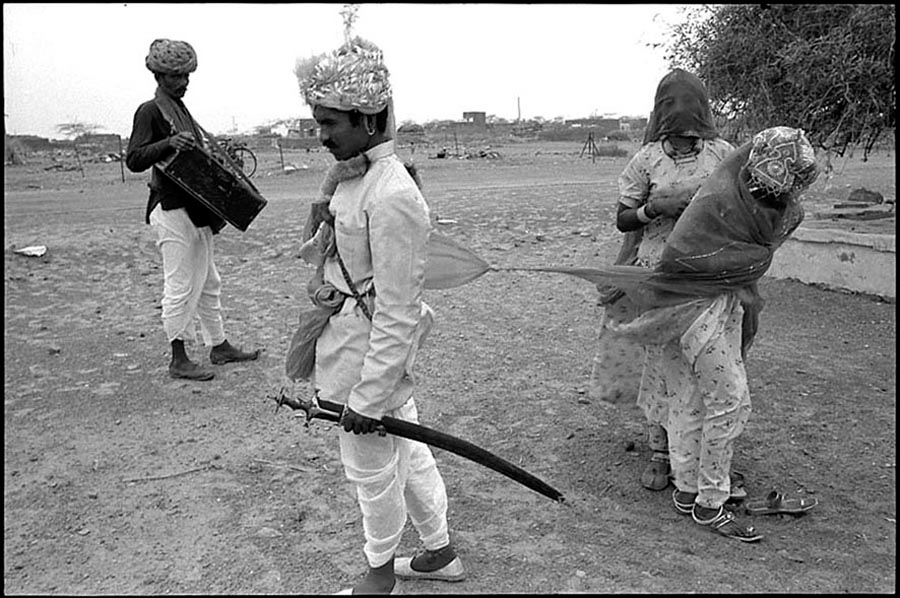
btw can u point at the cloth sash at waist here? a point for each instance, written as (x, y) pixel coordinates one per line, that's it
(327, 301)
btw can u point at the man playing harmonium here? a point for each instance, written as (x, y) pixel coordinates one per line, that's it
(184, 226)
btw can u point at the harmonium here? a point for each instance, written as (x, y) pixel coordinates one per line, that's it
(215, 183)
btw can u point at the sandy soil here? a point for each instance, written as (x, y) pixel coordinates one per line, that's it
(120, 480)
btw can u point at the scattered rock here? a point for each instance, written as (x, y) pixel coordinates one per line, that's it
(268, 532)
(791, 557)
(32, 250)
(38, 371)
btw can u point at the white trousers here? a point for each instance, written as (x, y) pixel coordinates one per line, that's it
(699, 388)
(192, 285)
(709, 402)
(395, 477)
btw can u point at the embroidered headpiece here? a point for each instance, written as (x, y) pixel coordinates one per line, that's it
(353, 77)
(782, 160)
(171, 57)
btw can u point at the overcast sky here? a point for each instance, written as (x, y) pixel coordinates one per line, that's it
(84, 63)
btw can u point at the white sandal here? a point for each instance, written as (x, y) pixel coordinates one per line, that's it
(452, 571)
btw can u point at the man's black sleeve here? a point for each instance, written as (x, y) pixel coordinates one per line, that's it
(149, 142)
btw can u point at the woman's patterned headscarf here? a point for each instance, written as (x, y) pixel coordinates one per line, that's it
(681, 107)
(171, 57)
(782, 160)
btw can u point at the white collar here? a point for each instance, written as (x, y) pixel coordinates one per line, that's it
(382, 150)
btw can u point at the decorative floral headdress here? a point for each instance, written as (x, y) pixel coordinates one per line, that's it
(353, 77)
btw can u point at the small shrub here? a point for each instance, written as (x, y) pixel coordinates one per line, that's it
(618, 136)
(610, 150)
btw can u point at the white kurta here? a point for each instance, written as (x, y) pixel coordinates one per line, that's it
(382, 225)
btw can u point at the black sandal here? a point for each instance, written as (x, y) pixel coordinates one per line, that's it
(724, 524)
(684, 501)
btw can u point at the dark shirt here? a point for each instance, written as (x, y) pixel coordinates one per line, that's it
(149, 143)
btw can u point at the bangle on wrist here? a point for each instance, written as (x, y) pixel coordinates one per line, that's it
(642, 215)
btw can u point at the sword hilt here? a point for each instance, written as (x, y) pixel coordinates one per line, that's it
(309, 408)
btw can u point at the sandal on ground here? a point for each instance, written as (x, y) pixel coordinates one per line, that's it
(738, 492)
(656, 475)
(683, 501)
(775, 503)
(724, 524)
(452, 571)
(349, 591)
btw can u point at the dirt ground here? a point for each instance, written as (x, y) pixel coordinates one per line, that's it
(120, 480)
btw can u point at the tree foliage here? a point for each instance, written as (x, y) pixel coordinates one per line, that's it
(825, 68)
(77, 129)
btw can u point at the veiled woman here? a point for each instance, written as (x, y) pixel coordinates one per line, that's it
(681, 148)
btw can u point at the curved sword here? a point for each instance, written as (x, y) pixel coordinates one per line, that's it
(321, 409)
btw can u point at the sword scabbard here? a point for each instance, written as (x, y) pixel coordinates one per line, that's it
(457, 446)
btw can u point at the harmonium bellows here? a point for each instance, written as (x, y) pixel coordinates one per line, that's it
(216, 185)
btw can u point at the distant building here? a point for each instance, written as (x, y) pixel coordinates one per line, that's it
(478, 119)
(631, 124)
(100, 142)
(299, 128)
(603, 126)
(32, 143)
(306, 127)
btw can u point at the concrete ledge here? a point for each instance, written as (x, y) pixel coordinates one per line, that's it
(864, 263)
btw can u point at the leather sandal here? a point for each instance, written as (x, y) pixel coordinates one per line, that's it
(683, 501)
(738, 492)
(775, 503)
(725, 524)
(656, 475)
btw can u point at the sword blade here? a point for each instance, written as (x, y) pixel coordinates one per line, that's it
(331, 412)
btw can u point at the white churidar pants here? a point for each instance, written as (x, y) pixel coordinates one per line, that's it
(395, 477)
(191, 282)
